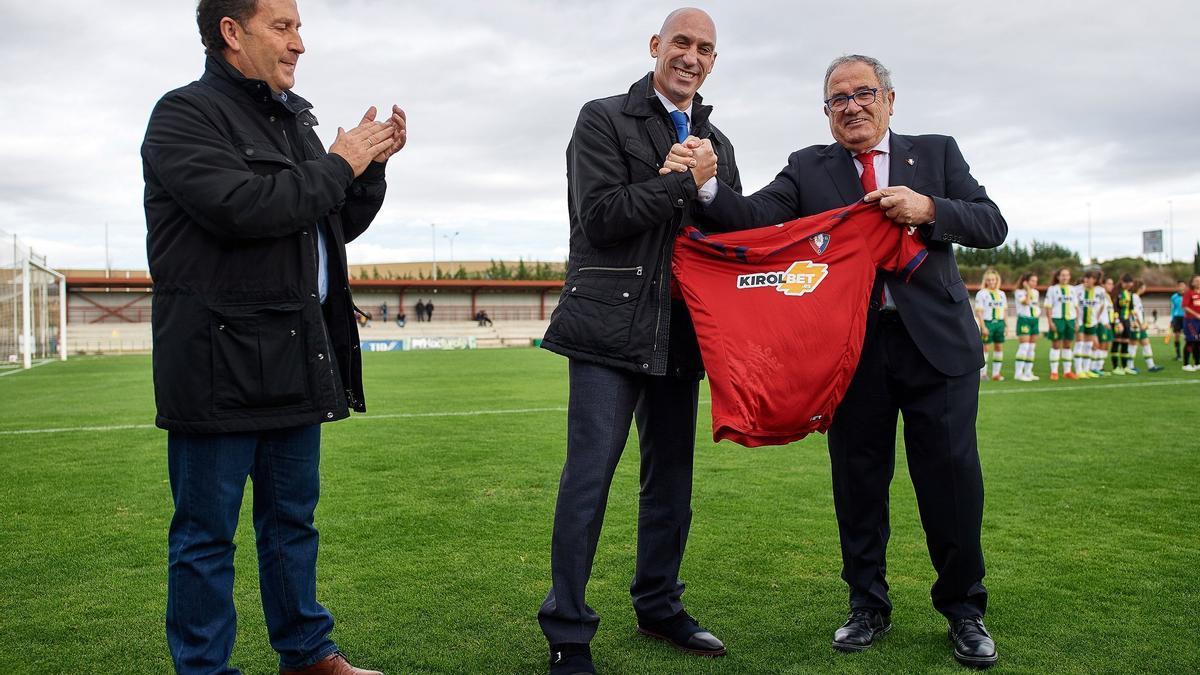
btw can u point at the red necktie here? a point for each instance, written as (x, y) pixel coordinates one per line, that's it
(867, 159)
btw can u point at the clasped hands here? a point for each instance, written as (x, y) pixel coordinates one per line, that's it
(694, 155)
(371, 140)
(899, 203)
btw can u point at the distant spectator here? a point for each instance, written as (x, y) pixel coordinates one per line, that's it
(1177, 316)
(429, 311)
(1191, 325)
(482, 318)
(383, 312)
(400, 320)
(420, 311)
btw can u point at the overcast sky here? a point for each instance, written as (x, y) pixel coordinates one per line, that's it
(1054, 104)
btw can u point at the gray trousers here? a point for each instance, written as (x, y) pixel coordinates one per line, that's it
(603, 401)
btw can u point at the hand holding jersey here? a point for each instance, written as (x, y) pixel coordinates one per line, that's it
(772, 384)
(903, 206)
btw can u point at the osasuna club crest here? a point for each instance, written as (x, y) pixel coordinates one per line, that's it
(819, 242)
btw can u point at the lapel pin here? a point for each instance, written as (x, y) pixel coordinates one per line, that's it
(911, 161)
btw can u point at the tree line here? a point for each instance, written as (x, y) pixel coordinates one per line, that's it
(1043, 258)
(497, 270)
(1011, 260)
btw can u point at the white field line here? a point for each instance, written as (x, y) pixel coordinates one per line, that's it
(31, 367)
(1046, 388)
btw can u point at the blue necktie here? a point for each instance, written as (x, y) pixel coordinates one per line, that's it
(681, 124)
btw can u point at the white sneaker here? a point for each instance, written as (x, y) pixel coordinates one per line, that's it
(1190, 369)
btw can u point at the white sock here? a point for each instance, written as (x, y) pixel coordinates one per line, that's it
(1054, 356)
(1081, 355)
(1022, 360)
(997, 362)
(1149, 354)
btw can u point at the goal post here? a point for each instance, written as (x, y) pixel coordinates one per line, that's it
(33, 307)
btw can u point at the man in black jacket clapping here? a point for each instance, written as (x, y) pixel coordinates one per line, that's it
(255, 344)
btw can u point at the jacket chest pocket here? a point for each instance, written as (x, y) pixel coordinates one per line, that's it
(258, 356)
(264, 161)
(640, 159)
(598, 307)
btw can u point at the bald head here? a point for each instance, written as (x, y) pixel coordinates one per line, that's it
(687, 14)
(685, 50)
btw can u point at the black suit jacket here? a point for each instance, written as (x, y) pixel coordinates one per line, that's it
(935, 304)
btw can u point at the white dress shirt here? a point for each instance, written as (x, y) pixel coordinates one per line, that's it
(882, 161)
(882, 173)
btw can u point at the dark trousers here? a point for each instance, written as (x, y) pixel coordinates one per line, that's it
(943, 461)
(602, 403)
(208, 476)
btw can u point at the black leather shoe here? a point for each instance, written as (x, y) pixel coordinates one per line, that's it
(861, 629)
(973, 645)
(683, 633)
(571, 659)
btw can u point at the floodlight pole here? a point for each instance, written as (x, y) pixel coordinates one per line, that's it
(26, 314)
(1089, 207)
(1171, 229)
(433, 226)
(450, 238)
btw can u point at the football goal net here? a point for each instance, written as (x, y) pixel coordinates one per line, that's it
(33, 307)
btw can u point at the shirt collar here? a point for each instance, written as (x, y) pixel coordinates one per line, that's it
(671, 107)
(885, 144)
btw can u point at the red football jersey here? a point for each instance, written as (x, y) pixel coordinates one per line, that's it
(780, 313)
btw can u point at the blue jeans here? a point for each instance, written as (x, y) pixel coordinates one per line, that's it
(208, 477)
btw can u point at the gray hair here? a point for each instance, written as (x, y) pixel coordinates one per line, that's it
(881, 72)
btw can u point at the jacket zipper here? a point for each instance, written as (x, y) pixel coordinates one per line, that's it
(637, 269)
(316, 241)
(662, 288)
(324, 329)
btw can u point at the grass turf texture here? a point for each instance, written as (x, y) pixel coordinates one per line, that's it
(435, 530)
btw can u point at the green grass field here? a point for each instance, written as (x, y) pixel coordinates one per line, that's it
(436, 510)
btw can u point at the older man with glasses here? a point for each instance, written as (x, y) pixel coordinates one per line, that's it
(921, 352)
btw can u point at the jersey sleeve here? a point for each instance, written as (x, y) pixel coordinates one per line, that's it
(981, 299)
(894, 248)
(1003, 299)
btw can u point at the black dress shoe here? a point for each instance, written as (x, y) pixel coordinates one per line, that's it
(973, 645)
(861, 629)
(683, 633)
(571, 659)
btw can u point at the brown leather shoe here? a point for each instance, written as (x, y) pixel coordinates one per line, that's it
(334, 664)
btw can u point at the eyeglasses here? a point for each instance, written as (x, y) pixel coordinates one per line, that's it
(840, 102)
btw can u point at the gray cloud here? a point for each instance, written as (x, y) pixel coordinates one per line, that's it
(1054, 105)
